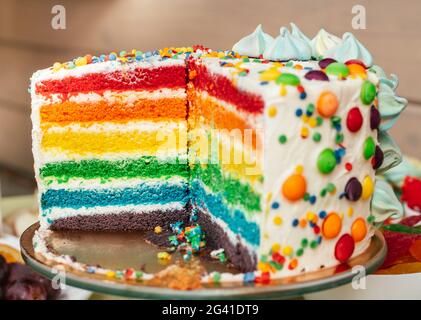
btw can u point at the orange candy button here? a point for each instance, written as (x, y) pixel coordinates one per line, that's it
(327, 104)
(332, 225)
(357, 70)
(294, 187)
(359, 229)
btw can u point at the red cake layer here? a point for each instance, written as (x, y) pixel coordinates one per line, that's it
(137, 79)
(223, 89)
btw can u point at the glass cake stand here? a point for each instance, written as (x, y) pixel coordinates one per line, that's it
(124, 250)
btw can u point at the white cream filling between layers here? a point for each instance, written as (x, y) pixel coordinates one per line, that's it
(113, 183)
(127, 97)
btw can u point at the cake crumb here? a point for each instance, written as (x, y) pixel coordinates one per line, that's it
(180, 276)
(158, 229)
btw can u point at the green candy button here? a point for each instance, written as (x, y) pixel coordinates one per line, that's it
(368, 92)
(326, 161)
(369, 148)
(338, 69)
(288, 79)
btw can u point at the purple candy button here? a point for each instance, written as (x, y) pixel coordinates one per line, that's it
(374, 118)
(378, 158)
(353, 189)
(316, 75)
(325, 62)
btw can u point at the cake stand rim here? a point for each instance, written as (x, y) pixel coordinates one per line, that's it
(275, 291)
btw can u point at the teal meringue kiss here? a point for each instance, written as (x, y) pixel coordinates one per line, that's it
(287, 47)
(350, 49)
(254, 44)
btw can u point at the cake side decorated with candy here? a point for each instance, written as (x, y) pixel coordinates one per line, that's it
(272, 148)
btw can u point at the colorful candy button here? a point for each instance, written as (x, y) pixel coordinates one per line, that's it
(354, 119)
(353, 189)
(326, 161)
(337, 69)
(327, 104)
(355, 61)
(316, 75)
(378, 158)
(369, 148)
(374, 118)
(81, 61)
(358, 229)
(277, 220)
(357, 70)
(368, 187)
(332, 225)
(270, 74)
(288, 79)
(272, 111)
(287, 251)
(294, 187)
(368, 92)
(324, 63)
(344, 248)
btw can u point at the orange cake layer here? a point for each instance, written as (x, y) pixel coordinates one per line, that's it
(216, 115)
(145, 109)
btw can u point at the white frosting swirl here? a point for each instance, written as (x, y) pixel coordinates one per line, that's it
(287, 47)
(254, 44)
(350, 48)
(323, 42)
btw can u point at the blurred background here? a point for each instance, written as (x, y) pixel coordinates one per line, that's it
(28, 42)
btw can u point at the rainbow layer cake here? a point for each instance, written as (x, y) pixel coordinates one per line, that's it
(272, 148)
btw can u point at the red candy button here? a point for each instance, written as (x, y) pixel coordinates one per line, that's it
(344, 248)
(354, 120)
(355, 61)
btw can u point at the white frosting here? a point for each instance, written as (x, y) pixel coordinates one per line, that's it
(108, 66)
(297, 152)
(280, 160)
(323, 42)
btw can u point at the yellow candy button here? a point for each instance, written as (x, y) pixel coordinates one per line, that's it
(287, 251)
(277, 220)
(276, 247)
(368, 187)
(272, 111)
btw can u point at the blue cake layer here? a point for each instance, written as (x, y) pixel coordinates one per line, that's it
(143, 194)
(234, 218)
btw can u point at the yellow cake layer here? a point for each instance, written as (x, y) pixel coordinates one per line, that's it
(105, 139)
(233, 156)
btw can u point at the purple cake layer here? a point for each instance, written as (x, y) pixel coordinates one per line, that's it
(216, 238)
(124, 221)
